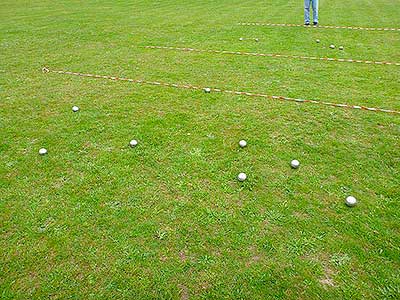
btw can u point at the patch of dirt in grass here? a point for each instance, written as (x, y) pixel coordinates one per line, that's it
(216, 253)
(12, 174)
(205, 285)
(271, 228)
(88, 145)
(254, 258)
(300, 215)
(184, 292)
(182, 256)
(265, 223)
(59, 182)
(328, 280)
(163, 258)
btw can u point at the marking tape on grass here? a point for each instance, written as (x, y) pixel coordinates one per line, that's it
(322, 26)
(193, 87)
(276, 55)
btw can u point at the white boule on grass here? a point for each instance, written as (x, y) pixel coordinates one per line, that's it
(295, 164)
(75, 108)
(241, 39)
(351, 201)
(42, 151)
(341, 48)
(257, 40)
(318, 41)
(332, 46)
(133, 143)
(207, 90)
(242, 143)
(242, 177)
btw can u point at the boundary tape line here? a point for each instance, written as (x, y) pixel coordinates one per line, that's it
(319, 26)
(276, 55)
(193, 87)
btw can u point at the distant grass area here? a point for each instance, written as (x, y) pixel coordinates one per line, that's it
(96, 219)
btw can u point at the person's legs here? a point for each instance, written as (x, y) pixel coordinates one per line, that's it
(307, 11)
(315, 11)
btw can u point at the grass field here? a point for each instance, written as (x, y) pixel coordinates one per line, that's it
(96, 219)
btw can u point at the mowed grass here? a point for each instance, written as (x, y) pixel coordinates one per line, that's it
(96, 219)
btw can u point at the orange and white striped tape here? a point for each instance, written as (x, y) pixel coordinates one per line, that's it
(322, 26)
(193, 87)
(277, 55)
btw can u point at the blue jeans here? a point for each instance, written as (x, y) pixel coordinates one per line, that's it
(307, 4)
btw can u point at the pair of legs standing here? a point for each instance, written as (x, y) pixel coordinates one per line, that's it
(307, 4)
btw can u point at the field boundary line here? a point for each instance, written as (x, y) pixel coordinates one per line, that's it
(319, 26)
(276, 55)
(194, 87)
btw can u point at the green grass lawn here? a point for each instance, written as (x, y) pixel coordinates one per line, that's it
(96, 219)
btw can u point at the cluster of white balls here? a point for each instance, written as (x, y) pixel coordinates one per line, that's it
(242, 176)
(332, 46)
(255, 39)
(43, 151)
(295, 164)
(132, 143)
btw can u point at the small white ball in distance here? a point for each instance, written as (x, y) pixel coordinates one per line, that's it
(242, 143)
(341, 48)
(295, 163)
(207, 90)
(257, 40)
(332, 46)
(133, 143)
(317, 41)
(241, 39)
(42, 151)
(351, 201)
(75, 108)
(242, 177)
